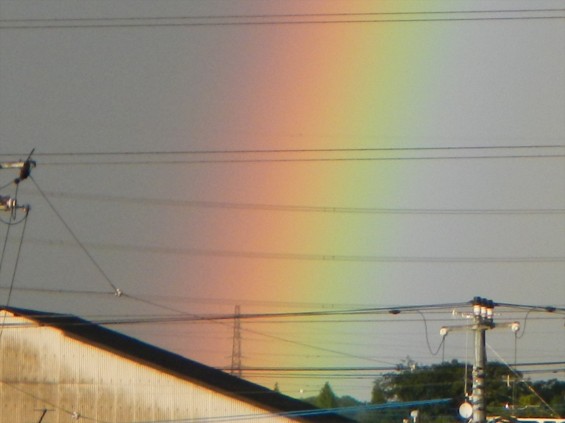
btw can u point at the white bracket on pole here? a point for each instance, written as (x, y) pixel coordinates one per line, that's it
(16, 165)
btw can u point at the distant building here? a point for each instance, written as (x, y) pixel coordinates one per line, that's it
(57, 368)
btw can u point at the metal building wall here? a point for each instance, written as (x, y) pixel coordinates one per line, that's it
(40, 368)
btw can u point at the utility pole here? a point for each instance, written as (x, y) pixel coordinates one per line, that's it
(483, 320)
(483, 312)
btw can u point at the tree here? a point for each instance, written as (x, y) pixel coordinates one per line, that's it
(551, 391)
(327, 398)
(379, 395)
(412, 382)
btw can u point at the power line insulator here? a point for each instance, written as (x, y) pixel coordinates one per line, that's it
(7, 203)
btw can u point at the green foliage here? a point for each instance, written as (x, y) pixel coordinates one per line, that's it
(348, 401)
(447, 380)
(530, 404)
(380, 393)
(327, 398)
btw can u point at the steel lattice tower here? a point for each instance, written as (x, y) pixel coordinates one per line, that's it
(236, 346)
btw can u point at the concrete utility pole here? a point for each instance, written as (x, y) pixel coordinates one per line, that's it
(483, 311)
(483, 320)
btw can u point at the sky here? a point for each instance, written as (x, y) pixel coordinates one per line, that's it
(290, 157)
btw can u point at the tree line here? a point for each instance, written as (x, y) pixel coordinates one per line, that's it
(508, 394)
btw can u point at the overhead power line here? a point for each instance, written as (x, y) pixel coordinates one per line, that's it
(290, 155)
(554, 312)
(192, 157)
(299, 160)
(288, 150)
(162, 202)
(300, 256)
(293, 15)
(76, 239)
(256, 332)
(369, 368)
(283, 19)
(315, 313)
(438, 310)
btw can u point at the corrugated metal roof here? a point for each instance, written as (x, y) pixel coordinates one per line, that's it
(176, 365)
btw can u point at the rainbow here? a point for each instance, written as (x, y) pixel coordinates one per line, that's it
(305, 87)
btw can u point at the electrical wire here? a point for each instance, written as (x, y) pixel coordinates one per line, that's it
(4, 247)
(306, 317)
(358, 369)
(162, 202)
(267, 155)
(8, 223)
(523, 326)
(18, 255)
(283, 317)
(390, 310)
(192, 317)
(182, 317)
(110, 23)
(309, 412)
(439, 309)
(77, 240)
(265, 317)
(2, 256)
(263, 334)
(546, 308)
(528, 385)
(432, 352)
(63, 291)
(6, 237)
(113, 286)
(43, 400)
(290, 15)
(199, 252)
(13, 212)
(302, 160)
(6, 186)
(12, 282)
(271, 151)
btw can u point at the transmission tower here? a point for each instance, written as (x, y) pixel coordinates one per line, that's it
(236, 346)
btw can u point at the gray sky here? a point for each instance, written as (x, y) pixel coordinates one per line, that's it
(353, 166)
